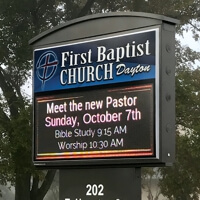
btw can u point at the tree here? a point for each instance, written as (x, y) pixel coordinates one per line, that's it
(182, 180)
(150, 179)
(18, 25)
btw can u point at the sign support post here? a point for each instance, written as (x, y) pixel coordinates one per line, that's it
(100, 183)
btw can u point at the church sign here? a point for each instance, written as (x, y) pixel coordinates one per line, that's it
(100, 99)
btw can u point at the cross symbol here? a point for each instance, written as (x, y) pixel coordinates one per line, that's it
(46, 65)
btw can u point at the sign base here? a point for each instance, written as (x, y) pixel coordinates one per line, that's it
(100, 184)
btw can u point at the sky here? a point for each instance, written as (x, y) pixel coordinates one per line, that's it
(189, 41)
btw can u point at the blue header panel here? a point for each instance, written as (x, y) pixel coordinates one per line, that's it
(120, 58)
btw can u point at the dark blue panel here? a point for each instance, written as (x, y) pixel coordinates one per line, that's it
(120, 58)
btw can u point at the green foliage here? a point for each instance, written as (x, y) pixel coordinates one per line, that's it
(182, 180)
(21, 20)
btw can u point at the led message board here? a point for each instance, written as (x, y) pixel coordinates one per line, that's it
(113, 122)
(97, 102)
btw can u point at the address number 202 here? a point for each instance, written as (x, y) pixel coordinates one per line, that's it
(94, 190)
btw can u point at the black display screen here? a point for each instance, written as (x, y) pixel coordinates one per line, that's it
(96, 123)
